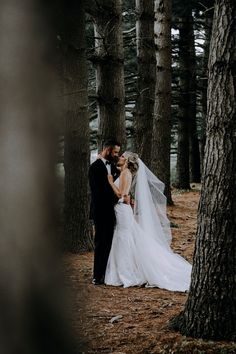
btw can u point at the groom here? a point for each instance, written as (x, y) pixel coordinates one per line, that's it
(103, 200)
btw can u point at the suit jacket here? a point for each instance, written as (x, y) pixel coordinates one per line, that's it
(103, 197)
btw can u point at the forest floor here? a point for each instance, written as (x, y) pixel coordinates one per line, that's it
(135, 320)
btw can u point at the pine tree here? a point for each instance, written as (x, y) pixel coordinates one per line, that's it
(162, 107)
(210, 311)
(109, 64)
(146, 79)
(76, 126)
(31, 298)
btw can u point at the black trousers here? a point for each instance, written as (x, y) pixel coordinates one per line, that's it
(104, 228)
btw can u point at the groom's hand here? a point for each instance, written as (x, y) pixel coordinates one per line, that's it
(126, 199)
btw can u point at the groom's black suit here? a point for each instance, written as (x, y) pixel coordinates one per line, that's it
(102, 212)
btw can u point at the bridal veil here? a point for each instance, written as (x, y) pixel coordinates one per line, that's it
(150, 205)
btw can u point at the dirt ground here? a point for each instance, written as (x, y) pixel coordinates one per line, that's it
(135, 320)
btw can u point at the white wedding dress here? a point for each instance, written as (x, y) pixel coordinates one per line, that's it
(140, 252)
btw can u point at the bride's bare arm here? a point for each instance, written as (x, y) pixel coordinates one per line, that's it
(113, 186)
(121, 191)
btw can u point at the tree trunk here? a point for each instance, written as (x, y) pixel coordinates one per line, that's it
(76, 146)
(210, 311)
(31, 297)
(194, 151)
(204, 81)
(109, 63)
(146, 79)
(162, 107)
(183, 178)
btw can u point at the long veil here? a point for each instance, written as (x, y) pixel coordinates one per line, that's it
(150, 206)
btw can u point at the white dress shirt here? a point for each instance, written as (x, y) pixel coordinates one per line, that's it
(108, 166)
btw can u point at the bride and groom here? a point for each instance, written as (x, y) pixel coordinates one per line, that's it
(132, 245)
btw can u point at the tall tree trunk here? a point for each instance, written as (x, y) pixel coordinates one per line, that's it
(210, 311)
(183, 178)
(162, 107)
(109, 63)
(76, 148)
(31, 297)
(194, 151)
(146, 79)
(204, 81)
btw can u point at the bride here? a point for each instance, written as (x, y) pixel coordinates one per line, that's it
(140, 252)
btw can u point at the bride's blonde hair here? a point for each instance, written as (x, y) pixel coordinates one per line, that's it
(132, 161)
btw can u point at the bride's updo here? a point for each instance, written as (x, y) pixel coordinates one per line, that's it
(132, 161)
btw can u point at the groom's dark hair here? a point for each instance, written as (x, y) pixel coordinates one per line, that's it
(110, 143)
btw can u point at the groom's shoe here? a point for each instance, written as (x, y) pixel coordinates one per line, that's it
(98, 281)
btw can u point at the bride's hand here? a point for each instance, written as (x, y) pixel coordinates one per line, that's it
(127, 199)
(110, 178)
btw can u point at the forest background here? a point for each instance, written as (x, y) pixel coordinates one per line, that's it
(160, 76)
(165, 86)
(144, 76)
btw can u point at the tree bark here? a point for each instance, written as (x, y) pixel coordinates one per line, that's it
(210, 311)
(109, 64)
(146, 79)
(194, 151)
(162, 107)
(31, 298)
(76, 142)
(183, 177)
(204, 81)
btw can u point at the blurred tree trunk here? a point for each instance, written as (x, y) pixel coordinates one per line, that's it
(76, 146)
(210, 311)
(204, 81)
(109, 64)
(146, 79)
(31, 298)
(183, 178)
(194, 151)
(162, 108)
